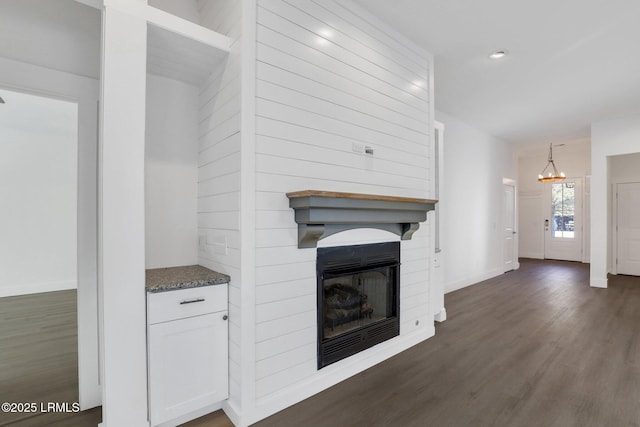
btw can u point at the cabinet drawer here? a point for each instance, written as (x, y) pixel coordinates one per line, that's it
(181, 303)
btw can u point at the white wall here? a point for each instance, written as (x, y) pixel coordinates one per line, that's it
(186, 9)
(60, 35)
(574, 159)
(38, 189)
(608, 138)
(474, 165)
(330, 77)
(625, 168)
(171, 173)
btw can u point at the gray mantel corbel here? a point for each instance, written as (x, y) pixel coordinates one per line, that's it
(320, 214)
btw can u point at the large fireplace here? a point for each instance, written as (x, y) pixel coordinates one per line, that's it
(358, 298)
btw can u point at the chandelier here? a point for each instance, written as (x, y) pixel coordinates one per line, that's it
(553, 174)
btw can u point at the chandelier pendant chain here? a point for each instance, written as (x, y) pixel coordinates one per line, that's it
(553, 175)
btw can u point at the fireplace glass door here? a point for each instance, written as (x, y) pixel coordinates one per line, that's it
(358, 299)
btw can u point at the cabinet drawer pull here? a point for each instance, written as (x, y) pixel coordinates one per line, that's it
(191, 301)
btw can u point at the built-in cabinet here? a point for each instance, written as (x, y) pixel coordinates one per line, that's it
(187, 329)
(187, 353)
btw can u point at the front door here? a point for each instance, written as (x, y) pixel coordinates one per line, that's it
(509, 247)
(628, 229)
(563, 221)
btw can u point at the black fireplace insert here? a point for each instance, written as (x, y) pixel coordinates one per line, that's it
(358, 298)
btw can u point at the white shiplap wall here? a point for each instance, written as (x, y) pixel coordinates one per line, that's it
(330, 77)
(219, 171)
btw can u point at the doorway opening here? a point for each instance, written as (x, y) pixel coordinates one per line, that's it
(42, 251)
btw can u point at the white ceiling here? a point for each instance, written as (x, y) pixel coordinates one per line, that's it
(571, 62)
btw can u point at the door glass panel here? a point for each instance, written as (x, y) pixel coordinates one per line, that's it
(563, 210)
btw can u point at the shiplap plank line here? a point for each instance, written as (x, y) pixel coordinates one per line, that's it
(284, 112)
(377, 30)
(222, 131)
(285, 96)
(317, 25)
(392, 151)
(320, 90)
(281, 362)
(219, 202)
(226, 92)
(285, 325)
(312, 71)
(222, 113)
(285, 290)
(286, 183)
(272, 20)
(282, 88)
(331, 66)
(220, 149)
(278, 273)
(281, 344)
(336, 21)
(282, 166)
(219, 167)
(296, 372)
(278, 238)
(272, 201)
(218, 78)
(296, 151)
(224, 184)
(283, 255)
(275, 310)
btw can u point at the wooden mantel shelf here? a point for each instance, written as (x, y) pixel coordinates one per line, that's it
(320, 214)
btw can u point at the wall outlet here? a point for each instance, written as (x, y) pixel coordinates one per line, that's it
(202, 243)
(357, 148)
(219, 245)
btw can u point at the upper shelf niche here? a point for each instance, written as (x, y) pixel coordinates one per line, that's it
(180, 48)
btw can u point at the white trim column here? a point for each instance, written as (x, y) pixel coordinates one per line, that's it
(122, 256)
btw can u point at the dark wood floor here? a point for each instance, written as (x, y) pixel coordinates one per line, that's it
(39, 358)
(535, 347)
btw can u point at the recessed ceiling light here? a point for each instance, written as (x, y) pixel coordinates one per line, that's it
(497, 54)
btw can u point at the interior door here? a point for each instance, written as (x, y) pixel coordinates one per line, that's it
(563, 220)
(628, 228)
(509, 246)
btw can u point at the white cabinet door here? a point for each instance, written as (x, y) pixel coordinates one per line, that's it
(188, 365)
(628, 229)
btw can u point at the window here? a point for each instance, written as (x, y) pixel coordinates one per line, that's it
(563, 209)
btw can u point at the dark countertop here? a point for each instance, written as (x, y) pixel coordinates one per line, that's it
(189, 276)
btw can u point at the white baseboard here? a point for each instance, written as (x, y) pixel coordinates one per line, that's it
(232, 412)
(532, 255)
(37, 288)
(598, 282)
(440, 316)
(192, 415)
(471, 280)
